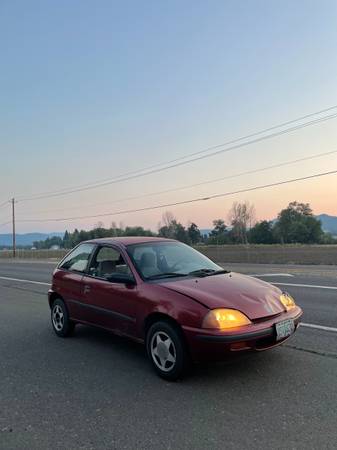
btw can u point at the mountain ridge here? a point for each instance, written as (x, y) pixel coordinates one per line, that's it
(26, 238)
(329, 223)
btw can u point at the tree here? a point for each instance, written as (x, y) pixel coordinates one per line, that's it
(219, 234)
(84, 235)
(219, 227)
(48, 243)
(168, 218)
(66, 240)
(193, 233)
(75, 238)
(137, 231)
(172, 229)
(261, 233)
(302, 208)
(296, 223)
(241, 217)
(180, 232)
(167, 230)
(328, 238)
(99, 224)
(115, 231)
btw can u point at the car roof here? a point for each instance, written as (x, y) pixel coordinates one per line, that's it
(128, 240)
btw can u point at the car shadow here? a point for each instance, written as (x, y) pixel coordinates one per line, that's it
(127, 352)
(107, 340)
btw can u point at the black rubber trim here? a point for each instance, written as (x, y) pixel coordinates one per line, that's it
(237, 337)
(103, 311)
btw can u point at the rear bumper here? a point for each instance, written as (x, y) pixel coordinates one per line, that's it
(208, 345)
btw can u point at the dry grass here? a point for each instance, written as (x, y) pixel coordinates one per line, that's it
(263, 254)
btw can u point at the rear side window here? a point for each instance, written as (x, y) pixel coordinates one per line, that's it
(77, 260)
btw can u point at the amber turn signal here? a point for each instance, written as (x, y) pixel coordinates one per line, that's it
(287, 301)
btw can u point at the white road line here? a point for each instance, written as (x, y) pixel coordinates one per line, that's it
(319, 327)
(24, 281)
(271, 275)
(334, 288)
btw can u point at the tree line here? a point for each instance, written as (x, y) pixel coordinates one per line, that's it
(294, 224)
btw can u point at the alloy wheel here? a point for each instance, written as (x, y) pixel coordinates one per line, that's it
(58, 318)
(163, 351)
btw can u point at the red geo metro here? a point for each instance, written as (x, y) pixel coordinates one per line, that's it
(183, 306)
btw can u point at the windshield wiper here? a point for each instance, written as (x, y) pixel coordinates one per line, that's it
(201, 272)
(196, 273)
(166, 275)
(218, 272)
(207, 272)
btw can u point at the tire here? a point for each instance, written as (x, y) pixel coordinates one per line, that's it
(60, 321)
(167, 350)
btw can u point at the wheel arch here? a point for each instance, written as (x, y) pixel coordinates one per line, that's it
(52, 297)
(158, 316)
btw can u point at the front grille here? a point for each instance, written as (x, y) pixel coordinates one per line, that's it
(266, 318)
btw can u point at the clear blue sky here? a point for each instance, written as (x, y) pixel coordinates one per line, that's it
(90, 90)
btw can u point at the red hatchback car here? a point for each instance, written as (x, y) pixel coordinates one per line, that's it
(183, 306)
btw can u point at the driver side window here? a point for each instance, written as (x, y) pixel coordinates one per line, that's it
(109, 264)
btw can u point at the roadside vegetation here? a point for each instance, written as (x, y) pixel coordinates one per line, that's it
(295, 224)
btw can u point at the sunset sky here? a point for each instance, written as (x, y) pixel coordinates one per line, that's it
(91, 90)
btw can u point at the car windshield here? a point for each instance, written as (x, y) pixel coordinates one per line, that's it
(156, 260)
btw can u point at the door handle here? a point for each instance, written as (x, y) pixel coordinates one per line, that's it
(86, 289)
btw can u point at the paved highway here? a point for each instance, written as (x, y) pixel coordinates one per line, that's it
(97, 391)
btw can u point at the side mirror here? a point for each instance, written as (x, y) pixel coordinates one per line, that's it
(122, 278)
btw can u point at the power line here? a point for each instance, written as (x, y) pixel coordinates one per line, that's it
(214, 180)
(146, 172)
(213, 147)
(6, 203)
(199, 199)
(5, 223)
(118, 180)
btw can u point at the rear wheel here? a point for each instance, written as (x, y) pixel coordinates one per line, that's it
(167, 350)
(61, 323)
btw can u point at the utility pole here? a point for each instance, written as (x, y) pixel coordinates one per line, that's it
(13, 225)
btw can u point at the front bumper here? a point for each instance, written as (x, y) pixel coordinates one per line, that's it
(260, 335)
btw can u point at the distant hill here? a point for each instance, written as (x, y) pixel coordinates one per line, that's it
(205, 231)
(329, 223)
(26, 239)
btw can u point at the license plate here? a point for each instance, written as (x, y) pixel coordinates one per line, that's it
(284, 329)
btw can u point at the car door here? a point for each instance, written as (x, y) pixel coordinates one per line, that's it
(67, 280)
(110, 291)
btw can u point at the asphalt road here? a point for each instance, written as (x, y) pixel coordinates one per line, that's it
(98, 391)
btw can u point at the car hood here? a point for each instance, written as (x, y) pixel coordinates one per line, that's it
(253, 297)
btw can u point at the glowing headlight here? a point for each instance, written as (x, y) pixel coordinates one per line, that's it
(287, 301)
(222, 319)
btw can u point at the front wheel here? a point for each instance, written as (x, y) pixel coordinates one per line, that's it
(61, 323)
(167, 350)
